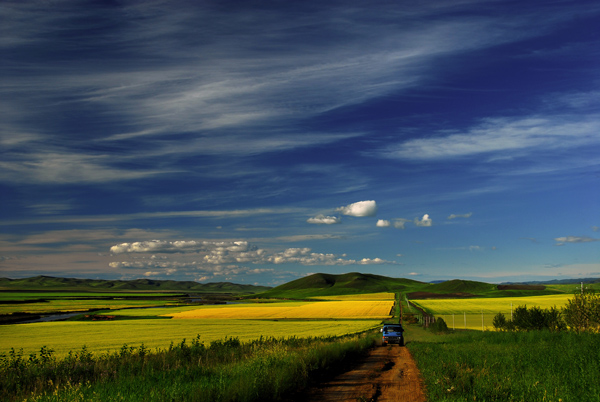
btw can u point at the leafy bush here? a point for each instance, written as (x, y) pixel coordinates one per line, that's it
(532, 319)
(582, 313)
(439, 326)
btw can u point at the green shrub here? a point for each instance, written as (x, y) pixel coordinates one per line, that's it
(439, 326)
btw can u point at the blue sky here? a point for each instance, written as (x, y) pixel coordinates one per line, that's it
(258, 142)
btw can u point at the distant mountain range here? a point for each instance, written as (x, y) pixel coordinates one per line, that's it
(316, 285)
(53, 283)
(557, 282)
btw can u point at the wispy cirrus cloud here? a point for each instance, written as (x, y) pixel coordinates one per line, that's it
(454, 216)
(161, 92)
(504, 135)
(234, 213)
(561, 241)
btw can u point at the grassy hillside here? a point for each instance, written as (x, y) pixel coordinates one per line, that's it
(354, 283)
(457, 288)
(50, 283)
(328, 285)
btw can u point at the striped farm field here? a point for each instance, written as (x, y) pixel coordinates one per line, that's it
(469, 313)
(100, 336)
(354, 309)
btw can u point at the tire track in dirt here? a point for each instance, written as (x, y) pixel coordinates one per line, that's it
(388, 373)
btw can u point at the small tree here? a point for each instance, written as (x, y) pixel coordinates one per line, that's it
(536, 318)
(521, 319)
(582, 313)
(553, 319)
(499, 322)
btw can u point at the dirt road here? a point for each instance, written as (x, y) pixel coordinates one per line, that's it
(388, 373)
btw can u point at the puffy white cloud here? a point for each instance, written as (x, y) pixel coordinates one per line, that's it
(212, 256)
(454, 216)
(305, 256)
(382, 223)
(161, 246)
(359, 209)
(324, 220)
(400, 223)
(425, 221)
(560, 241)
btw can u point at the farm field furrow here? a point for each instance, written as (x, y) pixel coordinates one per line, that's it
(310, 310)
(101, 336)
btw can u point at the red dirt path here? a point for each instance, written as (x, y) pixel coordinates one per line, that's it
(388, 373)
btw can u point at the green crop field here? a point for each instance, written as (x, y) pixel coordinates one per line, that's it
(64, 305)
(110, 336)
(23, 296)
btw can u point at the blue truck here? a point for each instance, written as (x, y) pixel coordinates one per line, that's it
(393, 334)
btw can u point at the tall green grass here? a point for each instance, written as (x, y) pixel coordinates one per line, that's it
(226, 370)
(511, 366)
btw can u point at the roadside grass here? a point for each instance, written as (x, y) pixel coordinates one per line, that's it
(509, 366)
(226, 370)
(106, 336)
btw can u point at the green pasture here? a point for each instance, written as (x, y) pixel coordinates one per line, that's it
(23, 296)
(64, 305)
(509, 366)
(478, 313)
(103, 336)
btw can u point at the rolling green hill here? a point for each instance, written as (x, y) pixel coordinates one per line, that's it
(99, 285)
(328, 285)
(321, 285)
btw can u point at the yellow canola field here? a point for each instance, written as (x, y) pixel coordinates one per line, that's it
(366, 309)
(105, 336)
(491, 305)
(478, 313)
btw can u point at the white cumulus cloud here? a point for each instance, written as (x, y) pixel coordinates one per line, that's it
(382, 223)
(360, 209)
(425, 221)
(324, 220)
(206, 256)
